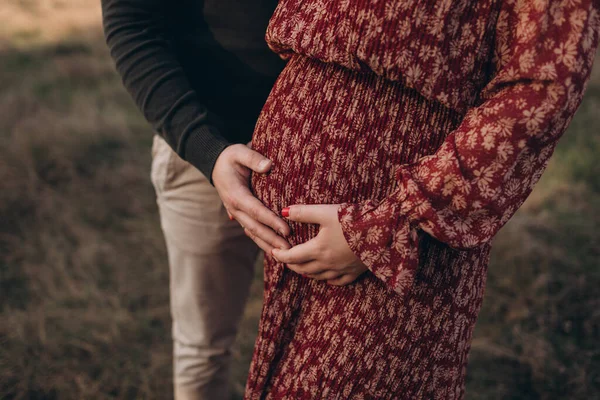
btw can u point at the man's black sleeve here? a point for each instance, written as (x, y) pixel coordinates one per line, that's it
(148, 65)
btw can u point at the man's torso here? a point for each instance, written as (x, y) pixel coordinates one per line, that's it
(221, 46)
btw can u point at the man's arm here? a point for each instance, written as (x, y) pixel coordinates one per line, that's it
(139, 45)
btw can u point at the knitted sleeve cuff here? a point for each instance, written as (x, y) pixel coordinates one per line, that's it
(203, 147)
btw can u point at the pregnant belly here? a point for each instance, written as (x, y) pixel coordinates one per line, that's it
(336, 135)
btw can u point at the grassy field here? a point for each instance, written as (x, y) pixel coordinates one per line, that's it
(83, 277)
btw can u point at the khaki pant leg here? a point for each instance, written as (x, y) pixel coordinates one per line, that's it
(211, 268)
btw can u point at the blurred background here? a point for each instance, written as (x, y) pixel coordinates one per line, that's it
(84, 310)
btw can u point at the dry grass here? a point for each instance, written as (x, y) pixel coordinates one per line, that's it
(83, 275)
(538, 333)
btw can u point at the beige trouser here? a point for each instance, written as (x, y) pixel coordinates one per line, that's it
(211, 267)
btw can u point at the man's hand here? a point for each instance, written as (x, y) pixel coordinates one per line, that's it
(327, 256)
(231, 177)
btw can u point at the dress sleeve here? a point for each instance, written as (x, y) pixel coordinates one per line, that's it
(485, 169)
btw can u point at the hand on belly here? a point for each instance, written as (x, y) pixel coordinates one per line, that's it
(231, 176)
(325, 257)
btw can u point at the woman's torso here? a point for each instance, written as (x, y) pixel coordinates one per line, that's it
(336, 135)
(441, 48)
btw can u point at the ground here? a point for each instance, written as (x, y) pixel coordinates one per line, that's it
(83, 278)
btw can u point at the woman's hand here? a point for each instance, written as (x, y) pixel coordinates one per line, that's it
(231, 177)
(325, 257)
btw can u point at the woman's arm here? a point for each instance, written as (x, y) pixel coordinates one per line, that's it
(486, 168)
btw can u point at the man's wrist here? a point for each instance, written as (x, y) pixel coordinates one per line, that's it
(203, 147)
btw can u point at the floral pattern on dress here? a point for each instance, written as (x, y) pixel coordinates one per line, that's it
(429, 122)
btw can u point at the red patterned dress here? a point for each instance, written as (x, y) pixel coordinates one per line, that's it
(429, 122)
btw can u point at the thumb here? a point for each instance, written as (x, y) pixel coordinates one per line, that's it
(254, 160)
(309, 213)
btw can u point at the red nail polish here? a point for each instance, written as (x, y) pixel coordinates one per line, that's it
(285, 212)
(231, 217)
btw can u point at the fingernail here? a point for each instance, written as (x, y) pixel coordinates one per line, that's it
(263, 164)
(231, 217)
(285, 212)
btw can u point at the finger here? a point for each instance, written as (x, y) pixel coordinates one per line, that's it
(327, 275)
(254, 160)
(343, 280)
(310, 268)
(266, 247)
(300, 271)
(298, 254)
(261, 231)
(308, 213)
(293, 267)
(252, 207)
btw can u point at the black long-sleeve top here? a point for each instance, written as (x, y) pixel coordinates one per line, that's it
(198, 70)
